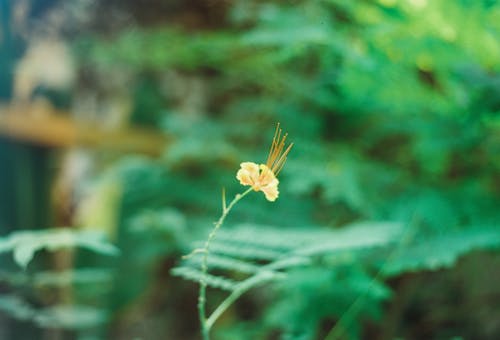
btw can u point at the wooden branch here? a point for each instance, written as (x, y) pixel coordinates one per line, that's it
(56, 129)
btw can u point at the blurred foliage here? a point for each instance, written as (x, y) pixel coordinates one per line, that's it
(24, 244)
(394, 110)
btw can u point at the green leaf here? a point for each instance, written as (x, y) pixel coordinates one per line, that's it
(24, 244)
(441, 251)
(60, 316)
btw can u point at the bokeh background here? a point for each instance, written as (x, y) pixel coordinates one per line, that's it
(121, 121)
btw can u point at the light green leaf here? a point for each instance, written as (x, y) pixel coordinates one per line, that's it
(24, 244)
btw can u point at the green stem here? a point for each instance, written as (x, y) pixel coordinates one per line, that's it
(202, 296)
(240, 290)
(342, 324)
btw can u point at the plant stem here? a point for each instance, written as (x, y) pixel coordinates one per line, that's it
(202, 296)
(342, 324)
(240, 290)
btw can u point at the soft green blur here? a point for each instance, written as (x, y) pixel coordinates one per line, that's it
(394, 111)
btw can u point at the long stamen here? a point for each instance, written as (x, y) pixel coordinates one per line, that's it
(276, 158)
(273, 145)
(279, 149)
(281, 161)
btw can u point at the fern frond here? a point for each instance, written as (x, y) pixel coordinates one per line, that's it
(244, 251)
(25, 243)
(81, 276)
(240, 248)
(287, 263)
(225, 263)
(62, 316)
(196, 275)
(263, 236)
(442, 251)
(354, 237)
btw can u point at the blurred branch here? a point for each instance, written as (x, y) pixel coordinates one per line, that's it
(56, 129)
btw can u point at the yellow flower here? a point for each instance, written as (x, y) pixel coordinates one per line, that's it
(263, 177)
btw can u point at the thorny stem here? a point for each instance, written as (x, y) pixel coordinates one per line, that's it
(205, 326)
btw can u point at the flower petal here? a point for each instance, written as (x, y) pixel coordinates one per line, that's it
(271, 190)
(248, 173)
